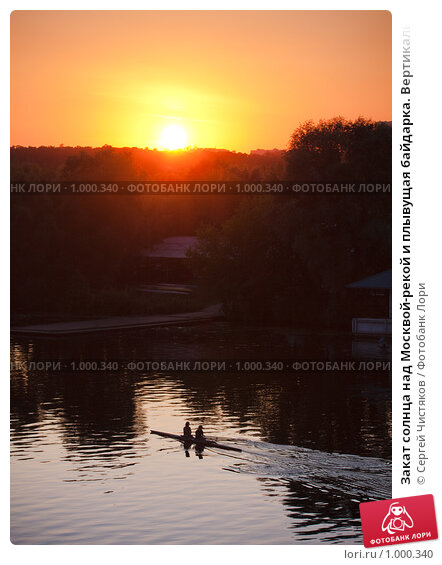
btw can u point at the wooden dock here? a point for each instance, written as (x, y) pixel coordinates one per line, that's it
(118, 323)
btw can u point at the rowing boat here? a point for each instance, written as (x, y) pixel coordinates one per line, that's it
(190, 440)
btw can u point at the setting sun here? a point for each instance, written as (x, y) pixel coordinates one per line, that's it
(173, 137)
(206, 97)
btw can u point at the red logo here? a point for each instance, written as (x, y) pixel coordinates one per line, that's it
(399, 520)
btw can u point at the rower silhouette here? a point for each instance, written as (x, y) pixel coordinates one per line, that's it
(199, 434)
(187, 433)
(199, 445)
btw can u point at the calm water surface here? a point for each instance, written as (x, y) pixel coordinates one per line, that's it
(86, 470)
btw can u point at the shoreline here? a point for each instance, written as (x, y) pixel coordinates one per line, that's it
(116, 323)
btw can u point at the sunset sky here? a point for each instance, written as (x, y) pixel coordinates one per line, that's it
(234, 80)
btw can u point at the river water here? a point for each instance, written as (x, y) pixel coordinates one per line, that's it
(86, 470)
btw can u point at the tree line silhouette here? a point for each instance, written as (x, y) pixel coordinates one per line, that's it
(288, 260)
(267, 259)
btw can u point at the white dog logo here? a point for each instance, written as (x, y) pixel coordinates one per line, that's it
(397, 519)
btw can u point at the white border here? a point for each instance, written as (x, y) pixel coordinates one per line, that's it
(425, 26)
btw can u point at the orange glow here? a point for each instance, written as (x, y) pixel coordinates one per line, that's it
(235, 80)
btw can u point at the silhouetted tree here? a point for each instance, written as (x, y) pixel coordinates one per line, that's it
(339, 150)
(288, 259)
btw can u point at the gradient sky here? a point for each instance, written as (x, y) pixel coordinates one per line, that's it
(234, 80)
